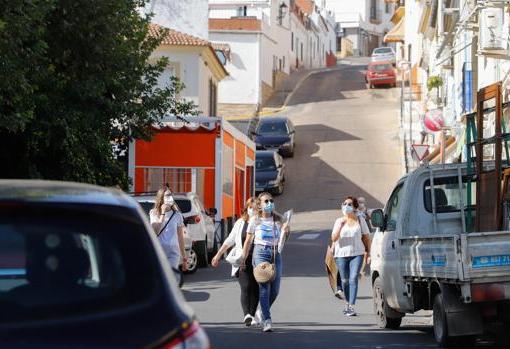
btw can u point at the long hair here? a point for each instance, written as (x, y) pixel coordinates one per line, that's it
(247, 205)
(160, 198)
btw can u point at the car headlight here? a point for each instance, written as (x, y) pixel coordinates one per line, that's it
(275, 182)
(287, 144)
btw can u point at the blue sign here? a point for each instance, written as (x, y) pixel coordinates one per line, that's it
(491, 261)
(467, 83)
(439, 261)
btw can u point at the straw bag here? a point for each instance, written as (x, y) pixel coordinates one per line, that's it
(265, 271)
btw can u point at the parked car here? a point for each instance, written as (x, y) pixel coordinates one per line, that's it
(380, 73)
(275, 133)
(269, 172)
(384, 54)
(80, 267)
(199, 226)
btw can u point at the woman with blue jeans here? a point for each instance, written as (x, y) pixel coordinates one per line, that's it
(264, 231)
(350, 236)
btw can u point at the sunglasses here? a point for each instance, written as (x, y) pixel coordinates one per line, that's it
(268, 201)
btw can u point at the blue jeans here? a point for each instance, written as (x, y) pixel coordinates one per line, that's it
(349, 268)
(268, 291)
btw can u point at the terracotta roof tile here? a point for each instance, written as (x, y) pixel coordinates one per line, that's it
(175, 37)
(251, 24)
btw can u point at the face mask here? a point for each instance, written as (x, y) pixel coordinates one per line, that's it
(168, 200)
(250, 212)
(269, 207)
(347, 209)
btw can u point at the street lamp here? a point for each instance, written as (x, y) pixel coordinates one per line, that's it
(282, 11)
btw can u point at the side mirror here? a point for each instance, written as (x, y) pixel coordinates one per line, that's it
(377, 218)
(253, 133)
(212, 212)
(280, 166)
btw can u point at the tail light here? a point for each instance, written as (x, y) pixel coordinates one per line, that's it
(192, 219)
(489, 292)
(193, 337)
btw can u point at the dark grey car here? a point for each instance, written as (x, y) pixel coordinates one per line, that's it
(275, 133)
(81, 268)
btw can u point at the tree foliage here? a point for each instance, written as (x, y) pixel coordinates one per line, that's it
(75, 79)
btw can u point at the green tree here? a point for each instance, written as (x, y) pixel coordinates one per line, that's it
(75, 79)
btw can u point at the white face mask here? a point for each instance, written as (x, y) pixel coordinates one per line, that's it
(168, 200)
(251, 212)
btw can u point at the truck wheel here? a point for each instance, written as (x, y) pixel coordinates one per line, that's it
(440, 324)
(200, 248)
(381, 308)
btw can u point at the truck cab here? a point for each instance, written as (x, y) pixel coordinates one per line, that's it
(424, 256)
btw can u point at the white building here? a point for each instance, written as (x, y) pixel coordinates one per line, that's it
(194, 62)
(186, 16)
(363, 22)
(267, 40)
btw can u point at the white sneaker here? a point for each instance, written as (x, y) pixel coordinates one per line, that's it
(340, 294)
(248, 320)
(268, 326)
(258, 316)
(254, 321)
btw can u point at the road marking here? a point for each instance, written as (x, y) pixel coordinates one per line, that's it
(308, 236)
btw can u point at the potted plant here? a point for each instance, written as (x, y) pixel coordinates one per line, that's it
(435, 82)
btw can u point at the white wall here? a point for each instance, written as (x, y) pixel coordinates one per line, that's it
(187, 16)
(242, 85)
(186, 66)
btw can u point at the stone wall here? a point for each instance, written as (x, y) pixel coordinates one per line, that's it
(234, 110)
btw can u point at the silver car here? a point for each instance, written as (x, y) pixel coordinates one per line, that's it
(384, 54)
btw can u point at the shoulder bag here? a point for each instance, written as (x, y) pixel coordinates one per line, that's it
(265, 271)
(166, 224)
(235, 256)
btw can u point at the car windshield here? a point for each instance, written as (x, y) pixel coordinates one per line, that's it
(184, 205)
(382, 50)
(265, 163)
(272, 128)
(380, 67)
(72, 265)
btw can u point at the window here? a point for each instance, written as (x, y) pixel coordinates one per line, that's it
(53, 266)
(301, 51)
(283, 60)
(242, 11)
(265, 163)
(447, 196)
(393, 208)
(179, 179)
(380, 67)
(387, 7)
(273, 128)
(373, 9)
(228, 170)
(213, 99)
(292, 42)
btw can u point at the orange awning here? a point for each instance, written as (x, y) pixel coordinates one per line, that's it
(398, 15)
(397, 33)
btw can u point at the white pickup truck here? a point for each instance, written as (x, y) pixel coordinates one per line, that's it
(423, 257)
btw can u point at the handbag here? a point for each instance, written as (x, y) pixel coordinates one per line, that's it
(329, 261)
(265, 271)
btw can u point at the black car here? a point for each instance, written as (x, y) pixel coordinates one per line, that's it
(80, 268)
(269, 172)
(275, 133)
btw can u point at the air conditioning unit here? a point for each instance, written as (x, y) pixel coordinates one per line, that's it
(491, 29)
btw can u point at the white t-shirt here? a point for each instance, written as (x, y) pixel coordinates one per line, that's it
(349, 243)
(168, 238)
(267, 232)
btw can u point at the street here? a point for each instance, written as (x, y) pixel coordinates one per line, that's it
(347, 144)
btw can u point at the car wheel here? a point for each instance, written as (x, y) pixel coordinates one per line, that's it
(200, 248)
(291, 153)
(381, 308)
(192, 262)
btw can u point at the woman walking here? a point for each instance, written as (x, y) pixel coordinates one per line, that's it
(351, 238)
(249, 287)
(168, 223)
(264, 230)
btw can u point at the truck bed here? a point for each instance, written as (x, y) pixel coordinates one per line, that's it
(457, 258)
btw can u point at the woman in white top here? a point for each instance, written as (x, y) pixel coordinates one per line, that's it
(264, 232)
(350, 236)
(249, 287)
(168, 223)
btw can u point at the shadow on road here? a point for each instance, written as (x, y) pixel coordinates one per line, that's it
(194, 296)
(311, 183)
(350, 78)
(308, 335)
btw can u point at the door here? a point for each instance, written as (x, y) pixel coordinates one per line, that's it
(393, 284)
(239, 192)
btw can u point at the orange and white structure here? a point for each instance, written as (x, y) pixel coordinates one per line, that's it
(207, 156)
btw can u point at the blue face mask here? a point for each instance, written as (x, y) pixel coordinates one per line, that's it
(269, 208)
(347, 209)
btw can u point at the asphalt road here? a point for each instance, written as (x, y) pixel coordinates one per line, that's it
(347, 143)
